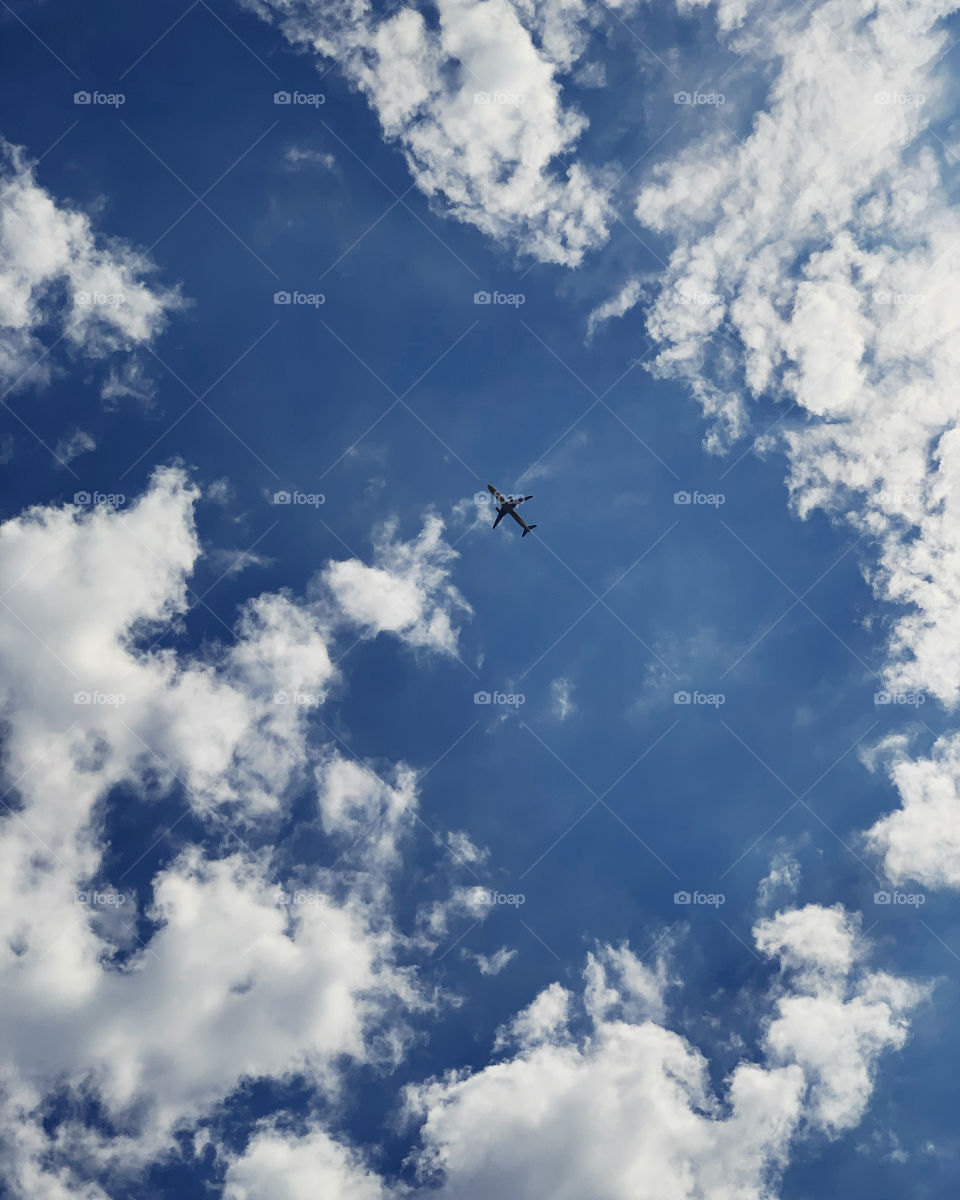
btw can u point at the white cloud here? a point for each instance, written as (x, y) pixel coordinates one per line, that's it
(433, 920)
(561, 699)
(80, 580)
(232, 562)
(279, 1167)
(616, 306)
(921, 840)
(407, 592)
(474, 102)
(199, 1012)
(128, 380)
(626, 1110)
(591, 75)
(618, 983)
(463, 849)
(46, 246)
(833, 1018)
(783, 879)
(355, 803)
(221, 491)
(476, 510)
(73, 445)
(492, 964)
(293, 156)
(544, 1019)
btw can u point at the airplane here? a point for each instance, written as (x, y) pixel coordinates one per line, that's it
(508, 504)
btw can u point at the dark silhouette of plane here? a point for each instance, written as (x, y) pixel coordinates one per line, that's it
(508, 504)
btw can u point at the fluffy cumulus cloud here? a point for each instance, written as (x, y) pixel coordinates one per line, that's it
(814, 263)
(597, 1097)
(921, 840)
(473, 99)
(833, 1017)
(407, 590)
(276, 1167)
(162, 1043)
(232, 963)
(78, 582)
(48, 249)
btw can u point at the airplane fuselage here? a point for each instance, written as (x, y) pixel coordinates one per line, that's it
(508, 507)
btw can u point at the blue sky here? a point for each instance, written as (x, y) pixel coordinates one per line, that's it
(780, 352)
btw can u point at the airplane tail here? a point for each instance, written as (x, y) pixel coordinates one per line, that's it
(527, 530)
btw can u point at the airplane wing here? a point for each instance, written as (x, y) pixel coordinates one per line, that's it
(493, 491)
(520, 499)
